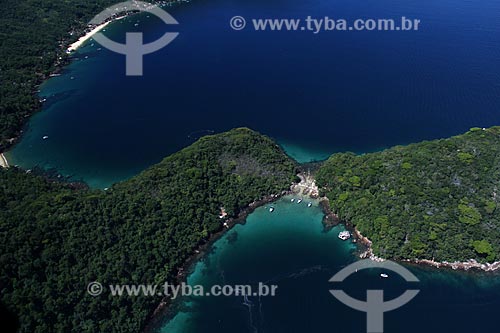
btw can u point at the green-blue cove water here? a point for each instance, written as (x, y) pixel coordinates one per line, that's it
(321, 93)
(290, 248)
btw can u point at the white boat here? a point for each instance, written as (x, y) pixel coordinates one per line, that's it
(271, 209)
(299, 201)
(344, 235)
(292, 199)
(45, 137)
(384, 276)
(309, 204)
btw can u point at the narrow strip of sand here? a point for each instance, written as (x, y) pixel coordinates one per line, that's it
(86, 37)
(3, 161)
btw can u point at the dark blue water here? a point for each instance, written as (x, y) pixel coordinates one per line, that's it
(290, 249)
(314, 93)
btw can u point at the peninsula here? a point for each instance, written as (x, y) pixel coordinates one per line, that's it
(435, 201)
(428, 202)
(54, 239)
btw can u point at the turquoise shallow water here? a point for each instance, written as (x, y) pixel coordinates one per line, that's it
(289, 248)
(303, 154)
(273, 248)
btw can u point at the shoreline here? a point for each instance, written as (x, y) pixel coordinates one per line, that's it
(367, 253)
(89, 34)
(457, 265)
(471, 264)
(165, 306)
(73, 47)
(305, 187)
(4, 163)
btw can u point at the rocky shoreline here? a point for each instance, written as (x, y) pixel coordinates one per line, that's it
(306, 187)
(458, 265)
(165, 305)
(366, 251)
(471, 264)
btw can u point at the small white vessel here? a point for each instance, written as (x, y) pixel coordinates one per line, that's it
(45, 137)
(309, 204)
(344, 235)
(271, 209)
(384, 276)
(292, 199)
(299, 201)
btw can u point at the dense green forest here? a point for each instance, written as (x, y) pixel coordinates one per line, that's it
(430, 200)
(32, 38)
(54, 240)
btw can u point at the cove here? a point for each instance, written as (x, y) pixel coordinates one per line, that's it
(291, 249)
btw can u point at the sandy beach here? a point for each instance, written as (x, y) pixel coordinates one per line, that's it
(3, 161)
(73, 47)
(307, 186)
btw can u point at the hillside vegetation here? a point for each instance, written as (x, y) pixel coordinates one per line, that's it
(55, 240)
(430, 200)
(32, 36)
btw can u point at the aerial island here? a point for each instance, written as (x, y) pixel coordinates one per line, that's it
(432, 202)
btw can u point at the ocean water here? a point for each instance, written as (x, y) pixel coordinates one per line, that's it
(290, 248)
(315, 93)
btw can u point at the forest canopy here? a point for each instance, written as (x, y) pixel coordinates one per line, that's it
(431, 200)
(33, 36)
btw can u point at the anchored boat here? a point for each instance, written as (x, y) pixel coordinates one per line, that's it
(344, 235)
